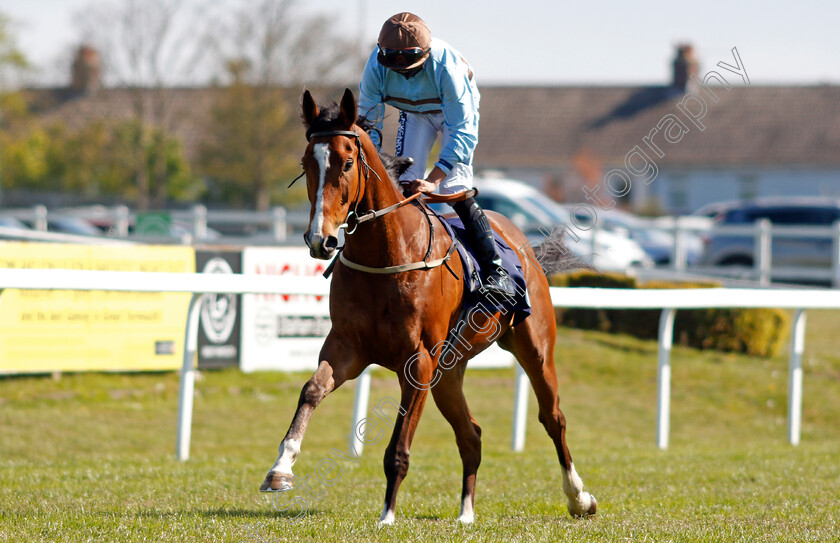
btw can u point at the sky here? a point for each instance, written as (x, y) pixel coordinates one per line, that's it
(548, 42)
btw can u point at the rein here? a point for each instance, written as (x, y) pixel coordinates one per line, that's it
(358, 219)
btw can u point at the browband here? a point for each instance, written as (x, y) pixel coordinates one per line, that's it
(349, 133)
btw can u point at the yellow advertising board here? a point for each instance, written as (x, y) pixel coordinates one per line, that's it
(46, 331)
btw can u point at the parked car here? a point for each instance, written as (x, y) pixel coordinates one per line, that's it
(11, 222)
(716, 208)
(72, 225)
(67, 224)
(535, 214)
(177, 230)
(655, 240)
(787, 250)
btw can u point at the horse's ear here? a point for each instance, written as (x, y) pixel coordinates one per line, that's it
(348, 109)
(309, 107)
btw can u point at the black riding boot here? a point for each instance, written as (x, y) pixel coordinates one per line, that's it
(496, 279)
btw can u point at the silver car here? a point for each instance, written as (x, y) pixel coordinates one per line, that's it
(788, 250)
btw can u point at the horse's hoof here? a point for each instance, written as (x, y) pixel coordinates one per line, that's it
(583, 511)
(277, 482)
(592, 508)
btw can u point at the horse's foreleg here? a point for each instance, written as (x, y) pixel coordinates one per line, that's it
(335, 368)
(415, 390)
(449, 397)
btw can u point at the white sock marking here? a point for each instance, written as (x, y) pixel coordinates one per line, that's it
(387, 517)
(572, 484)
(288, 453)
(467, 514)
(579, 501)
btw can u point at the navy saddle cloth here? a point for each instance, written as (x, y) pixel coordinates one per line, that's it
(520, 304)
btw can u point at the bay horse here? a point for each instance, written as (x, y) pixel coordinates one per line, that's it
(393, 306)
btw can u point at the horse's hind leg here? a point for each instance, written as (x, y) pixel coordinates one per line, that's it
(449, 397)
(532, 343)
(338, 364)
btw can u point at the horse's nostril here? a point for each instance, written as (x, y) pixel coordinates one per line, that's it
(331, 243)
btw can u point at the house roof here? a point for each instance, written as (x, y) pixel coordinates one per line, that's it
(547, 127)
(186, 111)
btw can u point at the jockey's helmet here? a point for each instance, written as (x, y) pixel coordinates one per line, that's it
(404, 42)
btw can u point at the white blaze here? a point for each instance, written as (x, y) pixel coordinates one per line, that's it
(322, 157)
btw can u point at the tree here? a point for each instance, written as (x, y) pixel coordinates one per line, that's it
(13, 112)
(12, 61)
(252, 146)
(95, 162)
(98, 160)
(266, 51)
(149, 46)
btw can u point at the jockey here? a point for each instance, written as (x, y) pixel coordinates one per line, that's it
(432, 86)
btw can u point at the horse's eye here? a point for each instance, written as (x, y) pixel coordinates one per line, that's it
(348, 164)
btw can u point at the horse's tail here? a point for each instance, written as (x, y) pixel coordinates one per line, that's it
(554, 256)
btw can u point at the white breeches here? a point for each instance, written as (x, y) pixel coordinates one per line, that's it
(418, 132)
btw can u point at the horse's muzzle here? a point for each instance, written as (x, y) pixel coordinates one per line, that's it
(319, 247)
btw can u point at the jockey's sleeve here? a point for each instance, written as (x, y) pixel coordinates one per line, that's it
(371, 105)
(460, 99)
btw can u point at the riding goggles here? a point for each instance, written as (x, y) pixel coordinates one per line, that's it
(402, 57)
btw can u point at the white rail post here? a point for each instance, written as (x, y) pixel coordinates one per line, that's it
(40, 221)
(185, 398)
(520, 410)
(835, 254)
(680, 256)
(663, 405)
(360, 407)
(797, 346)
(279, 219)
(199, 222)
(122, 220)
(764, 256)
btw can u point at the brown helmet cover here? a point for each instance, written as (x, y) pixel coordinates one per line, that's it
(404, 31)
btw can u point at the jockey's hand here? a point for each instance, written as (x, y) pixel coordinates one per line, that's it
(418, 185)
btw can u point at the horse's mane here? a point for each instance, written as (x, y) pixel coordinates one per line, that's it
(326, 120)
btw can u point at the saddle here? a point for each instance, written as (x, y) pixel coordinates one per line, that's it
(474, 294)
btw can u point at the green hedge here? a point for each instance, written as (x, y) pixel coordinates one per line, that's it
(760, 332)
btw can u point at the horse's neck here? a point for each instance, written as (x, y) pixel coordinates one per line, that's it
(386, 239)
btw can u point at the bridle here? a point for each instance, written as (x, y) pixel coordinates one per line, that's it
(354, 219)
(353, 215)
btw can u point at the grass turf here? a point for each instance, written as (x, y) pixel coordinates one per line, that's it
(90, 457)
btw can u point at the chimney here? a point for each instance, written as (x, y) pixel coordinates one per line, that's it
(86, 74)
(685, 65)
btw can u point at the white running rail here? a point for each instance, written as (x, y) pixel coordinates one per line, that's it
(668, 300)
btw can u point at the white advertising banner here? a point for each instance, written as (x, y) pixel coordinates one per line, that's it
(282, 332)
(285, 333)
